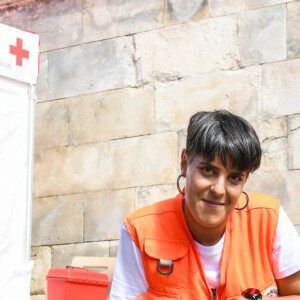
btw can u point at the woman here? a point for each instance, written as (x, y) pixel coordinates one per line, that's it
(212, 241)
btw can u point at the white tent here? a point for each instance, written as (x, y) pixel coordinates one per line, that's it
(19, 67)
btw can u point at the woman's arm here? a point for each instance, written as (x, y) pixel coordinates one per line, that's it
(286, 258)
(129, 279)
(289, 286)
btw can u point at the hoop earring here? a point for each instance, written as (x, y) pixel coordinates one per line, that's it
(178, 186)
(247, 197)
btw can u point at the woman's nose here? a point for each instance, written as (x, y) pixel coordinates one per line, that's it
(218, 186)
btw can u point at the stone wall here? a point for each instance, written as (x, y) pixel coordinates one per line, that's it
(7, 4)
(118, 83)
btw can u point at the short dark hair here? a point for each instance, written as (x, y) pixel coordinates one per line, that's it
(226, 135)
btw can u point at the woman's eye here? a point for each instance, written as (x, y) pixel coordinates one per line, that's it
(207, 170)
(235, 178)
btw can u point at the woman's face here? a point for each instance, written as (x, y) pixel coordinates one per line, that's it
(211, 190)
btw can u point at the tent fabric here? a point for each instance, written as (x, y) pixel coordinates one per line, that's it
(19, 68)
(16, 137)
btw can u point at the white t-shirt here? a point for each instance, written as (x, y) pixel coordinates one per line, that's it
(129, 278)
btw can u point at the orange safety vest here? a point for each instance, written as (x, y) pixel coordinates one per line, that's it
(160, 232)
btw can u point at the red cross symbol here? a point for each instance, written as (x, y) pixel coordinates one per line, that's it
(19, 52)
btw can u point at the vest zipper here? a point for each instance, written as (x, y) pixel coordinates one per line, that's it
(214, 294)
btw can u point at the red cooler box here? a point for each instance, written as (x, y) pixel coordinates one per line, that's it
(76, 284)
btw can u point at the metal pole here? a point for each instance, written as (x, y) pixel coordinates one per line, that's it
(31, 113)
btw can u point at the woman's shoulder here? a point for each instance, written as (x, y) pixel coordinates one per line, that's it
(157, 208)
(260, 200)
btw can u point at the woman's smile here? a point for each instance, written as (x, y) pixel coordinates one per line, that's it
(213, 204)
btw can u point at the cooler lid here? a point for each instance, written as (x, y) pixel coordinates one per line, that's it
(76, 274)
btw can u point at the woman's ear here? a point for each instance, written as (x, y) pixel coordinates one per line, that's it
(183, 163)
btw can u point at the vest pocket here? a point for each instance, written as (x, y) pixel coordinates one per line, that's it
(154, 295)
(166, 262)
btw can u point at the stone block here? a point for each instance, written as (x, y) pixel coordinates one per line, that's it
(188, 49)
(51, 124)
(42, 84)
(281, 88)
(293, 189)
(107, 19)
(271, 128)
(262, 35)
(293, 29)
(294, 150)
(294, 142)
(42, 263)
(181, 11)
(150, 194)
(219, 7)
(51, 214)
(113, 248)
(62, 255)
(141, 161)
(293, 123)
(60, 171)
(274, 156)
(58, 22)
(273, 145)
(38, 297)
(111, 115)
(87, 68)
(252, 4)
(238, 91)
(104, 213)
(273, 184)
